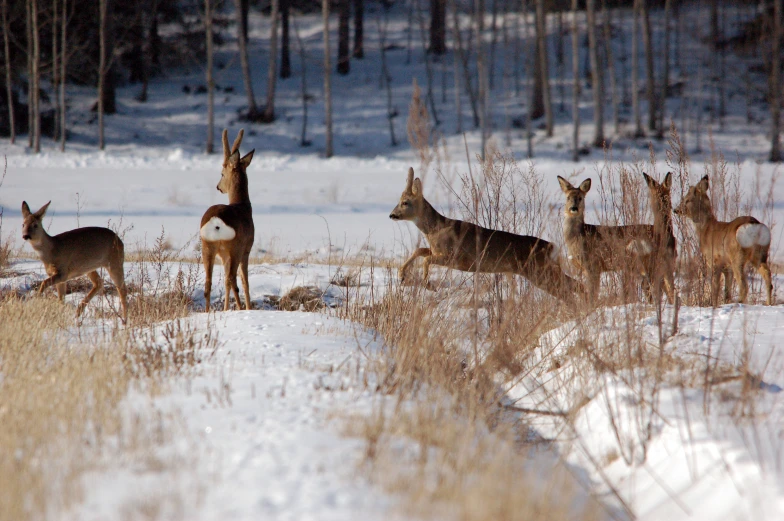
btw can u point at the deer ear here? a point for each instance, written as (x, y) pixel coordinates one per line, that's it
(667, 181)
(247, 158)
(234, 158)
(585, 186)
(410, 179)
(565, 185)
(41, 211)
(702, 186)
(649, 180)
(416, 187)
(25, 210)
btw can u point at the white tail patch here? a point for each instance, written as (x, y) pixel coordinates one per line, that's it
(216, 230)
(639, 247)
(753, 234)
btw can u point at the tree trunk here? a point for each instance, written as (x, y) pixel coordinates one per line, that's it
(9, 90)
(611, 67)
(386, 77)
(272, 74)
(244, 11)
(245, 63)
(155, 39)
(493, 41)
(651, 81)
(541, 37)
(101, 69)
(479, 13)
(666, 70)
(359, 29)
(55, 69)
(596, 76)
(537, 90)
(775, 84)
(638, 130)
(285, 58)
(36, 79)
(210, 147)
(575, 84)
(327, 81)
(30, 110)
(560, 61)
(460, 51)
(63, 77)
(437, 27)
(344, 14)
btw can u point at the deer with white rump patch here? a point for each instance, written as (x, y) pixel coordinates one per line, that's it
(74, 253)
(595, 249)
(727, 247)
(469, 247)
(227, 229)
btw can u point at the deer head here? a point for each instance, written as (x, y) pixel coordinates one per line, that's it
(696, 204)
(575, 197)
(32, 229)
(233, 176)
(661, 202)
(409, 208)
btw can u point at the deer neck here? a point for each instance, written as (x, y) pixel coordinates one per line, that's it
(44, 246)
(573, 225)
(429, 220)
(704, 222)
(662, 222)
(239, 192)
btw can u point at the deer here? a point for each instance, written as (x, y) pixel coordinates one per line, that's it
(665, 248)
(469, 247)
(727, 247)
(75, 253)
(595, 249)
(227, 230)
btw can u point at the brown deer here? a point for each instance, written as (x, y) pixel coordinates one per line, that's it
(595, 249)
(727, 247)
(74, 253)
(227, 229)
(468, 247)
(665, 252)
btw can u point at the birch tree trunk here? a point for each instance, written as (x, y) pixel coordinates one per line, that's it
(210, 148)
(596, 76)
(575, 84)
(272, 73)
(242, 42)
(9, 90)
(775, 85)
(541, 43)
(327, 81)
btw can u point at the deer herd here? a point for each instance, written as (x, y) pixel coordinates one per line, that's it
(640, 252)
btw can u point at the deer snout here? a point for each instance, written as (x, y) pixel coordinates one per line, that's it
(26, 236)
(394, 216)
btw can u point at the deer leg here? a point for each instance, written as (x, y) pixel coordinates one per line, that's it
(117, 274)
(97, 286)
(244, 276)
(419, 252)
(61, 290)
(715, 283)
(208, 258)
(228, 282)
(764, 270)
(593, 282)
(669, 283)
(728, 273)
(743, 284)
(54, 280)
(438, 260)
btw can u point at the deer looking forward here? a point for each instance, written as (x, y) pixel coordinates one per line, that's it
(665, 252)
(469, 247)
(727, 247)
(227, 229)
(75, 253)
(595, 249)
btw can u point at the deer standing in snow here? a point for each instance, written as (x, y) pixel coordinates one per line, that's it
(469, 247)
(595, 249)
(227, 229)
(665, 252)
(74, 253)
(727, 247)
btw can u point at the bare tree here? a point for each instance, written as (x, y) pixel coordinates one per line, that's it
(596, 75)
(638, 131)
(359, 29)
(437, 27)
(9, 91)
(541, 44)
(102, 7)
(344, 15)
(611, 67)
(775, 84)
(462, 54)
(55, 69)
(285, 59)
(36, 90)
(665, 70)
(327, 81)
(63, 77)
(30, 108)
(242, 41)
(272, 73)
(386, 78)
(575, 84)
(479, 15)
(304, 87)
(650, 89)
(210, 148)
